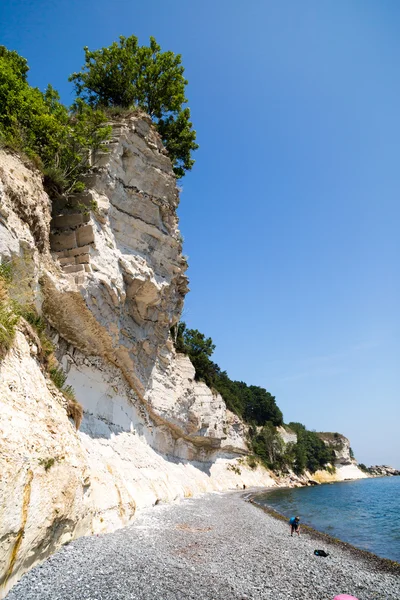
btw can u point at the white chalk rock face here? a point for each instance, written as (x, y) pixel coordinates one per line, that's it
(191, 405)
(57, 484)
(134, 290)
(111, 288)
(345, 463)
(44, 483)
(123, 308)
(341, 446)
(287, 434)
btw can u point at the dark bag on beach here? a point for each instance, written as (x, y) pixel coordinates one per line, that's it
(321, 553)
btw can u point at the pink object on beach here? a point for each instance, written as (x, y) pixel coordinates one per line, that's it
(345, 597)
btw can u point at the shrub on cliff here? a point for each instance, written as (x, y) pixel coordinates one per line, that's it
(126, 75)
(39, 125)
(269, 446)
(310, 451)
(252, 403)
(27, 121)
(364, 468)
(199, 349)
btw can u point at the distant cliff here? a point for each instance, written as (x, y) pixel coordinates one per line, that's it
(343, 467)
(381, 471)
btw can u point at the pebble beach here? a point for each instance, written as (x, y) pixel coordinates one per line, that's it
(214, 547)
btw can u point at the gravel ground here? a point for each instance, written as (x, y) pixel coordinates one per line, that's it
(216, 547)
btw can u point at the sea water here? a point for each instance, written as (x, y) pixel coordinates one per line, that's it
(364, 513)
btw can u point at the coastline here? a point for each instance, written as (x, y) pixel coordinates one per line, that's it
(212, 547)
(378, 562)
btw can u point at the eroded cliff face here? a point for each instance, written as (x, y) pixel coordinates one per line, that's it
(345, 464)
(108, 275)
(132, 287)
(110, 279)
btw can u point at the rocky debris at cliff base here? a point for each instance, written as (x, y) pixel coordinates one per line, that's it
(216, 547)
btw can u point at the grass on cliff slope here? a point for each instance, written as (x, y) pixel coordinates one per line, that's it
(58, 377)
(12, 315)
(8, 318)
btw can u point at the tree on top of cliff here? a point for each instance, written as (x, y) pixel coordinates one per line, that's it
(18, 63)
(126, 75)
(252, 403)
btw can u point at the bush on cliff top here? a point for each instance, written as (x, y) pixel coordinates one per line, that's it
(127, 75)
(59, 140)
(62, 141)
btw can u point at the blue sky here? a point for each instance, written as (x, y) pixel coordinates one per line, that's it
(291, 213)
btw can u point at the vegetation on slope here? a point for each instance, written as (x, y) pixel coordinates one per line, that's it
(364, 468)
(310, 451)
(255, 406)
(8, 317)
(14, 314)
(59, 140)
(63, 141)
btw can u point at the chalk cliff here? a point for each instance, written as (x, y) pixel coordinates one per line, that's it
(107, 274)
(344, 466)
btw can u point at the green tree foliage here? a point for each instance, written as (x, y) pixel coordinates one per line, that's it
(26, 120)
(299, 458)
(39, 125)
(179, 139)
(310, 452)
(18, 64)
(297, 427)
(262, 407)
(127, 75)
(252, 403)
(256, 406)
(84, 133)
(364, 468)
(235, 393)
(199, 349)
(269, 445)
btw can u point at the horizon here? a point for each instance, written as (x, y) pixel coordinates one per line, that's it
(290, 213)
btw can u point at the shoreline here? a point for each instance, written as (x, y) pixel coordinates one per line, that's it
(385, 565)
(213, 547)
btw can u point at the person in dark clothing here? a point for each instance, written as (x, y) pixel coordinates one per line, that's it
(294, 525)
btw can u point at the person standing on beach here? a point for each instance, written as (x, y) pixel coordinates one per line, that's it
(294, 525)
